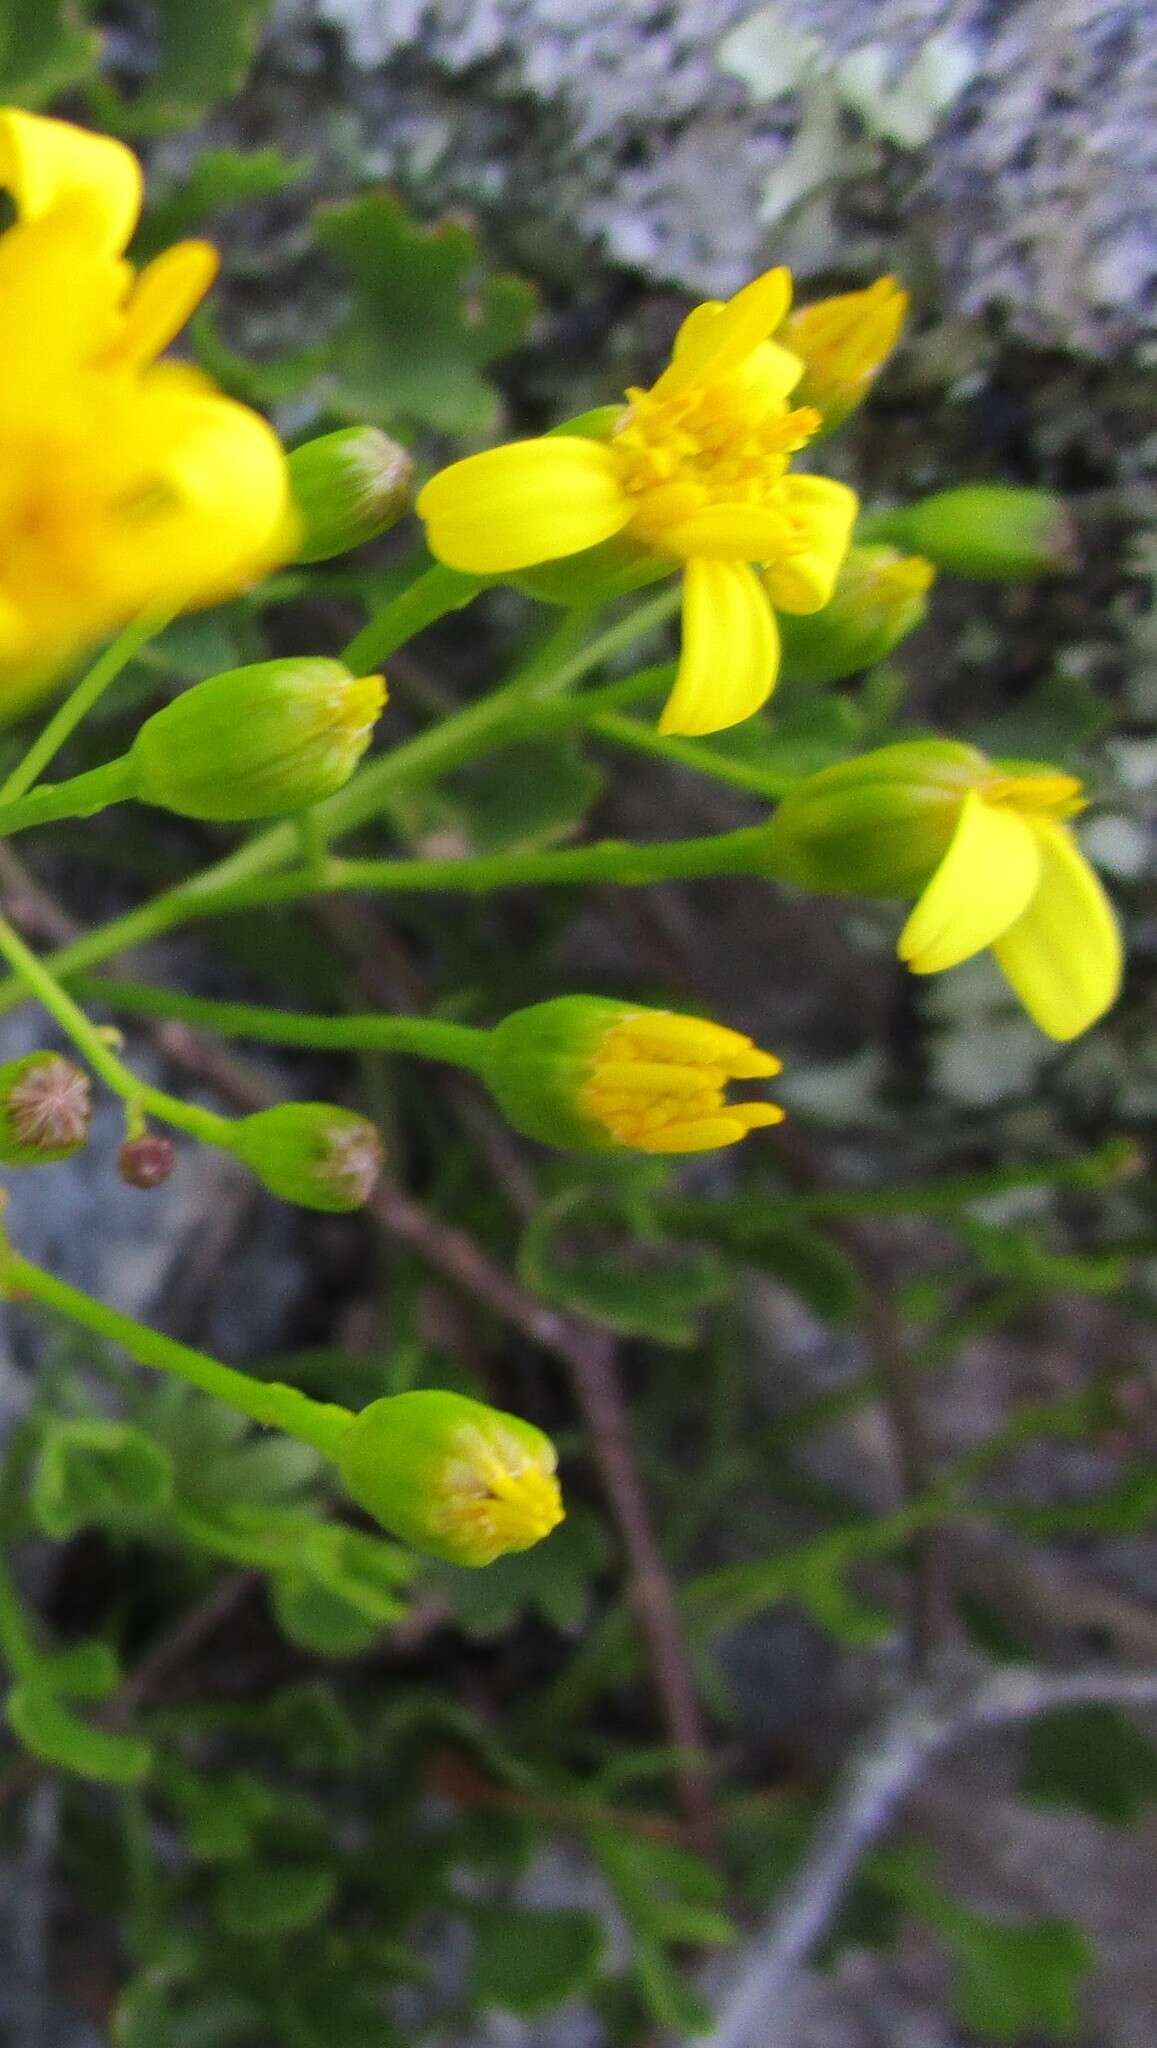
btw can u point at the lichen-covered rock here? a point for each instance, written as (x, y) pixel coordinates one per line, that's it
(622, 123)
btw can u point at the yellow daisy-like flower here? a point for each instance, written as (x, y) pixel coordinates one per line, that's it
(125, 484)
(988, 845)
(696, 471)
(1014, 878)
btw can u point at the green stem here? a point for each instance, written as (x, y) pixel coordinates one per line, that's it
(79, 702)
(93, 1047)
(266, 1401)
(467, 733)
(430, 597)
(80, 797)
(662, 746)
(426, 1037)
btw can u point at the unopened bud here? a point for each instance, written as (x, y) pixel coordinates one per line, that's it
(347, 487)
(843, 343)
(147, 1161)
(451, 1476)
(991, 532)
(880, 597)
(257, 742)
(590, 1074)
(312, 1153)
(45, 1109)
(875, 826)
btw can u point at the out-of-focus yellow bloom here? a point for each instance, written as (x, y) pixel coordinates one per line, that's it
(125, 484)
(843, 343)
(593, 1074)
(694, 470)
(988, 845)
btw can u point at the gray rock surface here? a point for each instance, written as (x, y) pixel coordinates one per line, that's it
(616, 122)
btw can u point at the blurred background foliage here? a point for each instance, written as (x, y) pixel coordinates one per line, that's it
(889, 1381)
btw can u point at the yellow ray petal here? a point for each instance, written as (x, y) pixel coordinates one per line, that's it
(730, 655)
(531, 501)
(715, 337)
(726, 533)
(43, 162)
(980, 888)
(165, 294)
(820, 514)
(1063, 956)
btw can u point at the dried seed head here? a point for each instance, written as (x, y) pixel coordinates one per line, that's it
(146, 1161)
(46, 1108)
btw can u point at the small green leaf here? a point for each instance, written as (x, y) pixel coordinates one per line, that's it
(56, 1736)
(1092, 1757)
(220, 179)
(204, 53)
(84, 1671)
(45, 50)
(423, 324)
(92, 1471)
(578, 1251)
(260, 1901)
(320, 1620)
(529, 796)
(1014, 1981)
(530, 1962)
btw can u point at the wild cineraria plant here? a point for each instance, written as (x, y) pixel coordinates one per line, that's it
(132, 491)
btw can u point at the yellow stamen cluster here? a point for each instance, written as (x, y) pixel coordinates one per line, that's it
(715, 443)
(496, 1495)
(659, 1081)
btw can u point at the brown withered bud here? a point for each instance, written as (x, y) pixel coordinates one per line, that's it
(45, 1108)
(146, 1161)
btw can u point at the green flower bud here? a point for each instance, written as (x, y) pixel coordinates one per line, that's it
(347, 487)
(312, 1153)
(45, 1108)
(880, 597)
(257, 742)
(987, 531)
(594, 1075)
(452, 1477)
(876, 826)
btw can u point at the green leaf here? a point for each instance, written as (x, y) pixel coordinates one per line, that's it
(218, 1816)
(220, 179)
(800, 1258)
(84, 1671)
(93, 1471)
(527, 797)
(145, 2018)
(259, 1901)
(1092, 1757)
(1014, 1981)
(45, 50)
(313, 1728)
(553, 1580)
(530, 1962)
(320, 1620)
(423, 324)
(204, 53)
(577, 1252)
(56, 1736)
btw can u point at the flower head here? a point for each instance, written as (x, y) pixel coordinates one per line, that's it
(597, 1075)
(453, 1477)
(880, 597)
(45, 1109)
(695, 471)
(988, 846)
(843, 344)
(125, 484)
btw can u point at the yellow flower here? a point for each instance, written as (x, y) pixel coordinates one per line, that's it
(1014, 878)
(125, 485)
(593, 1074)
(694, 470)
(842, 343)
(987, 843)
